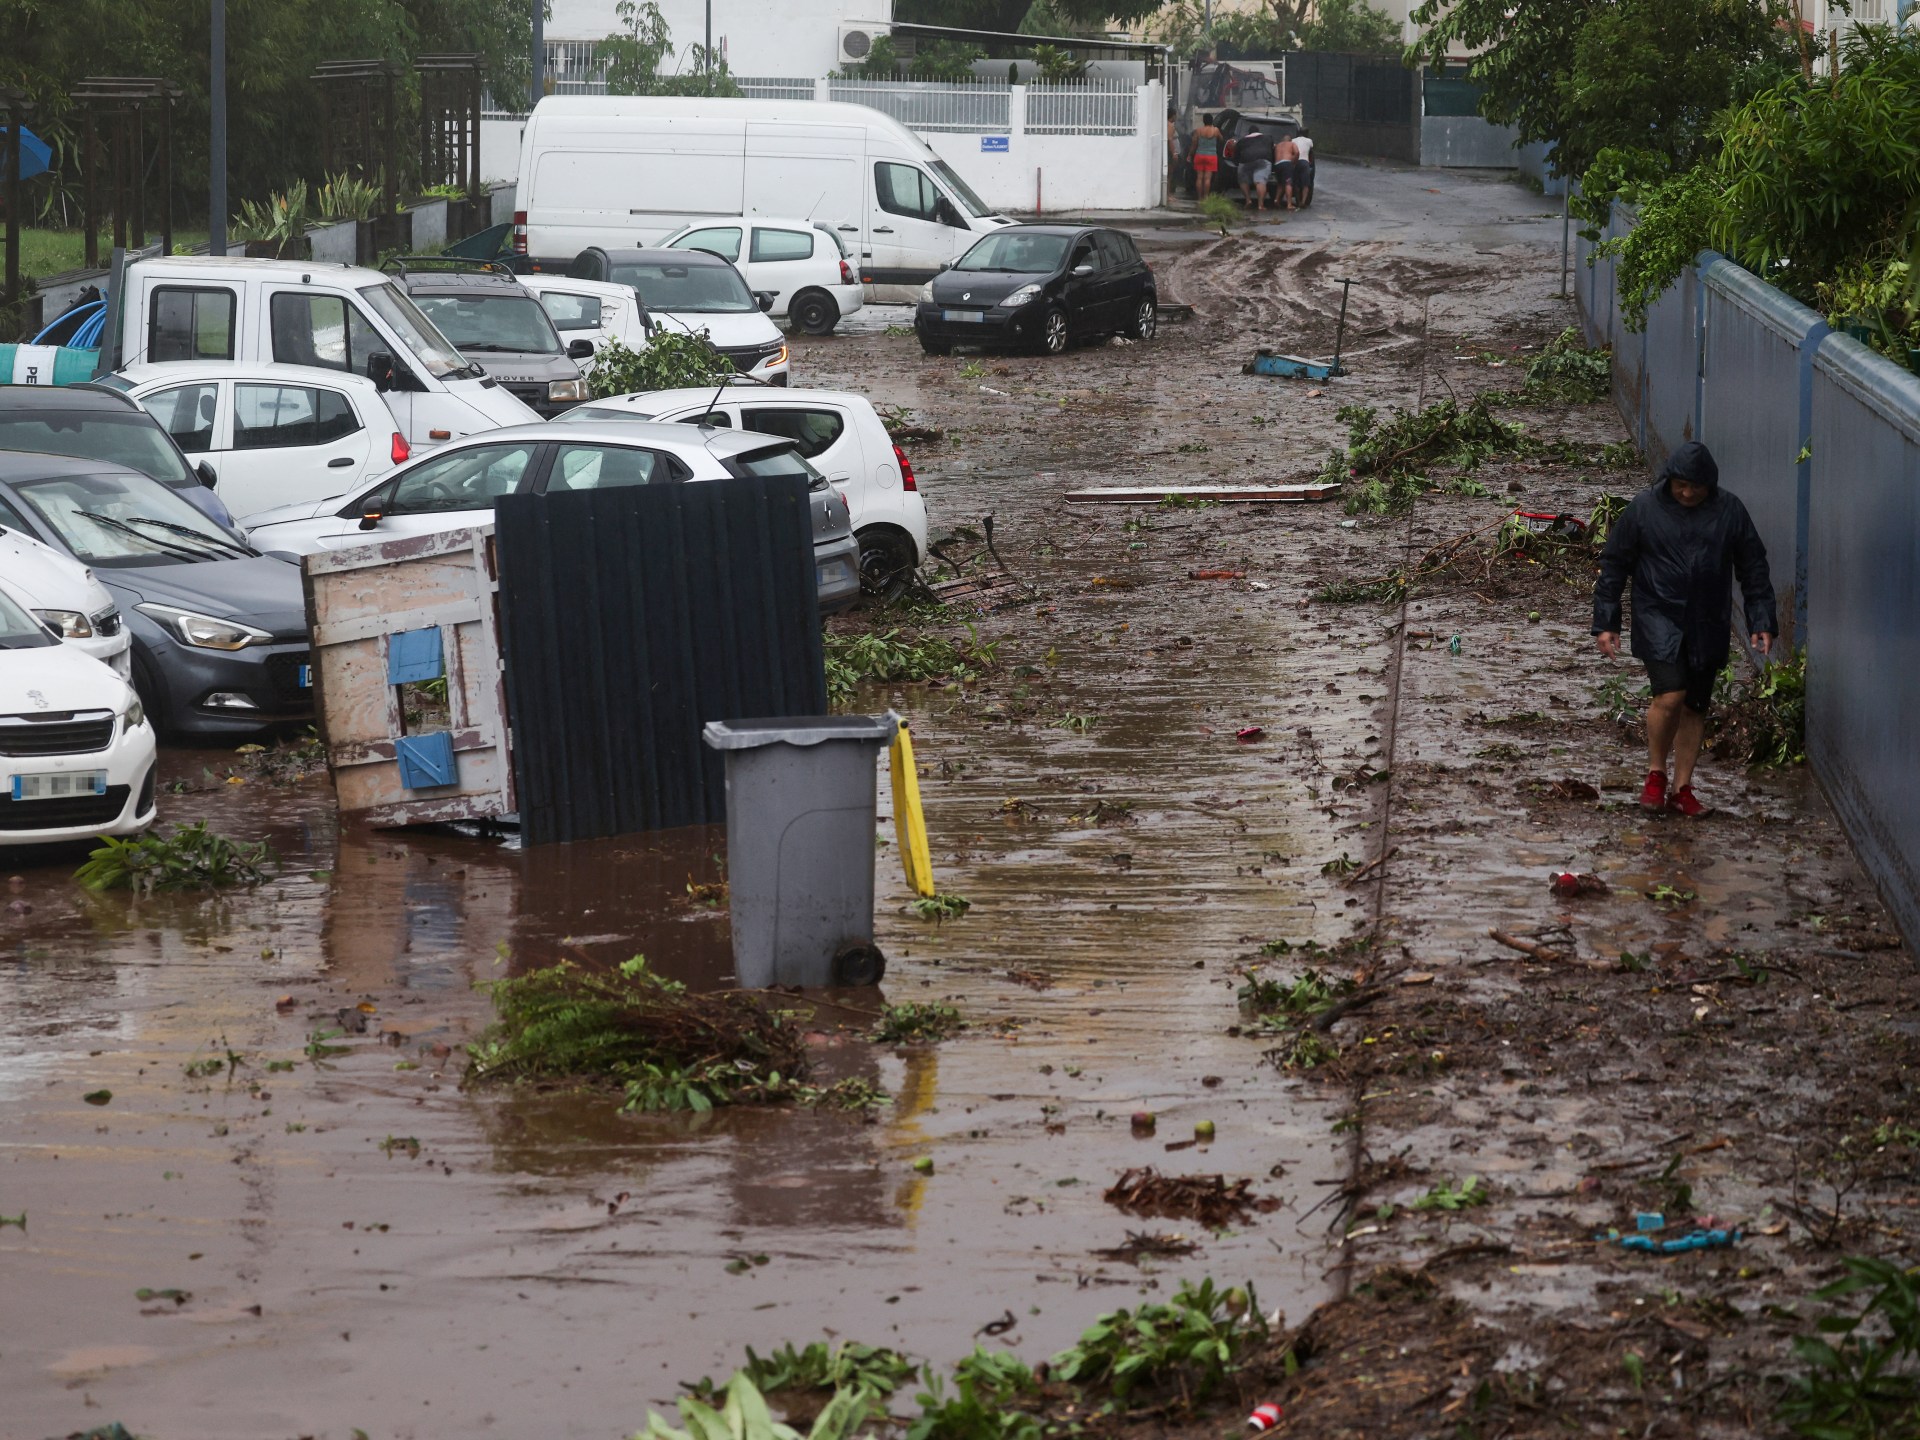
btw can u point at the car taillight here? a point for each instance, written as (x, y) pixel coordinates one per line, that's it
(907, 481)
(401, 450)
(846, 273)
(519, 232)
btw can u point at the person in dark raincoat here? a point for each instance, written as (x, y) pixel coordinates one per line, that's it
(1682, 540)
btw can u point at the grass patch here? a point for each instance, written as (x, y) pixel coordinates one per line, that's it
(909, 1023)
(1217, 212)
(192, 857)
(671, 1049)
(1386, 462)
(1363, 592)
(891, 658)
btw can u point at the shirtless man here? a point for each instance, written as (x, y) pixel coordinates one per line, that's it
(1286, 164)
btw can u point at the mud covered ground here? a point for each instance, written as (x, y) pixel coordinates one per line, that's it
(364, 1245)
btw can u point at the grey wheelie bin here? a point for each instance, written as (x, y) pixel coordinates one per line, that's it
(800, 844)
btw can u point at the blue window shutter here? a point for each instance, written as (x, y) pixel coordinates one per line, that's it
(425, 760)
(414, 655)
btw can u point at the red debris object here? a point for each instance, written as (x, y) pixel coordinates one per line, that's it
(1264, 1418)
(1567, 885)
(1250, 734)
(1216, 574)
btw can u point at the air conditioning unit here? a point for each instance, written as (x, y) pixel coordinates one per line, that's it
(856, 40)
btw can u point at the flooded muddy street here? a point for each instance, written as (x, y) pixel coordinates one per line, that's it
(1175, 762)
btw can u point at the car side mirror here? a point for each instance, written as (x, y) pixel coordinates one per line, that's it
(1083, 269)
(371, 509)
(580, 349)
(208, 476)
(380, 370)
(765, 300)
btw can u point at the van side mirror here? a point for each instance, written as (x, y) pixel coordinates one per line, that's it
(380, 370)
(208, 477)
(947, 215)
(764, 298)
(371, 509)
(580, 349)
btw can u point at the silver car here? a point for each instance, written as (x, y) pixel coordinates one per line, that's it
(456, 485)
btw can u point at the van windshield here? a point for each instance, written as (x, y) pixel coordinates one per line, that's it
(687, 289)
(429, 346)
(976, 207)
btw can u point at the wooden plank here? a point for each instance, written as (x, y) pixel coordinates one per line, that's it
(1223, 494)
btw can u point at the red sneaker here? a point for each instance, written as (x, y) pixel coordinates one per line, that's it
(1686, 803)
(1654, 795)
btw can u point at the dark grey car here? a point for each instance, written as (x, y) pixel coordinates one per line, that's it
(219, 630)
(493, 320)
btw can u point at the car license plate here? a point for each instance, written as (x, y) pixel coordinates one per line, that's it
(60, 785)
(303, 677)
(974, 317)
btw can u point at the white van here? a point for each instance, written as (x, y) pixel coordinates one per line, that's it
(627, 171)
(300, 312)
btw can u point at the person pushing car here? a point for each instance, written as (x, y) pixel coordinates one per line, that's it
(1682, 540)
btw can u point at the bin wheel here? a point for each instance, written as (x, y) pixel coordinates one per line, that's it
(859, 965)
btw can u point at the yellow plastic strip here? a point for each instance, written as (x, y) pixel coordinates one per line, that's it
(909, 821)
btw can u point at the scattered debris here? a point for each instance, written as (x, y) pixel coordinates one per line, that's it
(1568, 885)
(1142, 1243)
(1218, 494)
(1209, 1199)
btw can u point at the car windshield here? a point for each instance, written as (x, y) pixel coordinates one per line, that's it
(429, 346)
(977, 207)
(785, 460)
(18, 629)
(121, 520)
(1016, 253)
(131, 439)
(594, 417)
(687, 289)
(511, 323)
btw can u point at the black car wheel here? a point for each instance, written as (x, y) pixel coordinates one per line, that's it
(886, 562)
(151, 690)
(814, 312)
(1146, 319)
(1053, 331)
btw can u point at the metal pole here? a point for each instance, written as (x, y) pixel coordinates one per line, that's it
(1566, 201)
(166, 175)
(1340, 332)
(709, 54)
(539, 86)
(217, 141)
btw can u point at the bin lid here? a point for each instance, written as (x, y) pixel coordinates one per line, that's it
(800, 730)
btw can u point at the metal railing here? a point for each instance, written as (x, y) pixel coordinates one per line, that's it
(979, 107)
(1082, 107)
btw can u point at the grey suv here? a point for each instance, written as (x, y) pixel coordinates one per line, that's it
(493, 320)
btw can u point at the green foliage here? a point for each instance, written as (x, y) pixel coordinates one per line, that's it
(191, 858)
(1606, 513)
(1309, 994)
(1385, 463)
(870, 1370)
(1450, 1195)
(671, 360)
(1351, 27)
(1883, 300)
(673, 1050)
(1011, 16)
(1567, 370)
(282, 219)
(1303, 1050)
(889, 659)
(633, 58)
(910, 1022)
(969, 1413)
(1861, 1380)
(944, 60)
(1763, 720)
(1619, 701)
(345, 197)
(1058, 65)
(745, 1416)
(1189, 1344)
(1357, 592)
(1218, 212)
(941, 906)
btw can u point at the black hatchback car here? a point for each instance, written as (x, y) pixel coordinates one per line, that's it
(1039, 286)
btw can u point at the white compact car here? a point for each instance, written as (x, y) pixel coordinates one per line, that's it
(273, 434)
(839, 432)
(67, 597)
(803, 264)
(592, 310)
(76, 751)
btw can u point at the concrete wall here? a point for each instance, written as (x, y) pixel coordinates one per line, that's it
(1466, 142)
(429, 226)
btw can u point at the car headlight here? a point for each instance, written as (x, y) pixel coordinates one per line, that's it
(1020, 296)
(926, 293)
(566, 389)
(778, 357)
(70, 624)
(133, 717)
(205, 632)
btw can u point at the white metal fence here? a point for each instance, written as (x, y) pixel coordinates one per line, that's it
(1098, 106)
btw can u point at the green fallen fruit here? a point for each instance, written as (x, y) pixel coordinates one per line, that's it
(1533, 617)
(1203, 1129)
(923, 1165)
(97, 1097)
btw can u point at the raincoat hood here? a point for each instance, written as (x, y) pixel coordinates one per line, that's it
(1694, 463)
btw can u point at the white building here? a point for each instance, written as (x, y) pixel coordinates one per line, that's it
(794, 37)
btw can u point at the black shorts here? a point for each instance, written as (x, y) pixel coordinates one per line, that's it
(1666, 676)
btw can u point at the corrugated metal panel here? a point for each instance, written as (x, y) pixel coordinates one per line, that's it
(1755, 418)
(1863, 669)
(1670, 366)
(631, 617)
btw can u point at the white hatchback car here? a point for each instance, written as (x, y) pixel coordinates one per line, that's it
(67, 597)
(76, 751)
(592, 310)
(839, 432)
(803, 264)
(273, 434)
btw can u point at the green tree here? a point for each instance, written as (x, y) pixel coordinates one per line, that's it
(633, 58)
(1350, 27)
